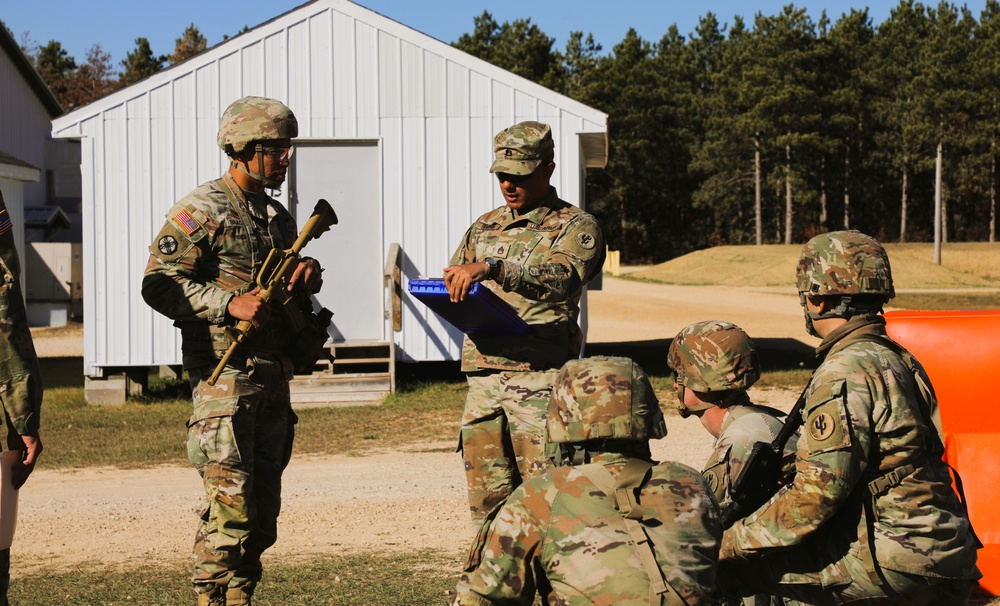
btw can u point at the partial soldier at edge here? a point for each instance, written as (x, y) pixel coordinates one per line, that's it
(871, 516)
(20, 378)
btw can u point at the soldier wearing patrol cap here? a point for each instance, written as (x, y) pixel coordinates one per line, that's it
(608, 525)
(714, 365)
(871, 516)
(537, 252)
(201, 274)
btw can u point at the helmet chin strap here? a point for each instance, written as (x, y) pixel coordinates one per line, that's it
(259, 175)
(842, 310)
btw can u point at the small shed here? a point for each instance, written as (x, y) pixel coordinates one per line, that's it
(395, 130)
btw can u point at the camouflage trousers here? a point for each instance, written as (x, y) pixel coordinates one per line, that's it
(791, 574)
(240, 441)
(503, 434)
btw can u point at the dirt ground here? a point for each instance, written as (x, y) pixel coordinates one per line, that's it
(333, 505)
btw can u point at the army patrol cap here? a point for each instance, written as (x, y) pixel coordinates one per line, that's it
(844, 263)
(603, 397)
(255, 119)
(713, 356)
(522, 148)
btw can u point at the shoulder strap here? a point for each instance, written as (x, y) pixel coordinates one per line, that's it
(623, 492)
(927, 405)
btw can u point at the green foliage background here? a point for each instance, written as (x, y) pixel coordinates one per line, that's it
(836, 124)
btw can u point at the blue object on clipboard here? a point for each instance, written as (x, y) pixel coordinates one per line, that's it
(481, 313)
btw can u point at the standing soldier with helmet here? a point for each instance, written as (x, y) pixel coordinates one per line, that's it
(201, 274)
(537, 253)
(608, 525)
(871, 516)
(20, 380)
(715, 363)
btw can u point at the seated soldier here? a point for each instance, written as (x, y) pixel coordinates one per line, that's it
(608, 525)
(715, 363)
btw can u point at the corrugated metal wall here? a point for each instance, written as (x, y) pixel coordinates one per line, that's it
(348, 73)
(24, 126)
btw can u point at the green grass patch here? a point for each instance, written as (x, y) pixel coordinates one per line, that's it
(151, 430)
(410, 579)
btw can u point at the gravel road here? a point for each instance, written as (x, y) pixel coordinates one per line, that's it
(403, 500)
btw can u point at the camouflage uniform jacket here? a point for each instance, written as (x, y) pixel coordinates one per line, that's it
(20, 381)
(560, 535)
(210, 250)
(549, 254)
(863, 419)
(743, 425)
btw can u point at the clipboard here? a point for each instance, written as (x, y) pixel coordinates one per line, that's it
(481, 313)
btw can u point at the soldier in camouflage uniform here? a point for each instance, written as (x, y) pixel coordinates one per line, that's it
(608, 525)
(20, 381)
(536, 253)
(714, 364)
(871, 516)
(201, 273)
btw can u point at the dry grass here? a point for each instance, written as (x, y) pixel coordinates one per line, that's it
(964, 265)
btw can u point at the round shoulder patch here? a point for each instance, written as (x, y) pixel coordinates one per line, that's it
(167, 245)
(586, 240)
(822, 426)
(712, 477)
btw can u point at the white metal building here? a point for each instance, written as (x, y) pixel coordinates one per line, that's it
(395, 131)
(27, 108)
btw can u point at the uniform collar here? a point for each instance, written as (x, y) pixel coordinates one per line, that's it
(868, 324)
(536, 215)
(736, 410)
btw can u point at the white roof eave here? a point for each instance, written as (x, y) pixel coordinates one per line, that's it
(68, 125)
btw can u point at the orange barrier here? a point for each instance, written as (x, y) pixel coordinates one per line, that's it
(961, 352)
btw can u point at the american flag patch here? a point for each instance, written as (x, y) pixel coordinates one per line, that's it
(5, 223)
(187, 222)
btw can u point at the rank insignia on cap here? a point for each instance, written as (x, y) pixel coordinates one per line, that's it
(5, 223)
(187, 222)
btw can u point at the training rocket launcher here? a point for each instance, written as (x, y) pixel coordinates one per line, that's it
(273, 279)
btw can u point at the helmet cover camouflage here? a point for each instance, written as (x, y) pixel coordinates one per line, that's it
(714, 356)
(522, 148)
(255, 119)
(603, 397)
(844, 263)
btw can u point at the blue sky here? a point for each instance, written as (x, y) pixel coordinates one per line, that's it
(115, 24)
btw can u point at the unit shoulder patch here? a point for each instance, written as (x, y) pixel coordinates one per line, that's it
(826, 427)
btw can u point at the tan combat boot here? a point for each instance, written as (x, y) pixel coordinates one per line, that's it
(238, 596)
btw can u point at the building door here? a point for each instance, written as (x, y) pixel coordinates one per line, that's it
(348, 176)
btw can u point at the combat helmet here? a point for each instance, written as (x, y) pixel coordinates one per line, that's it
(847, 264)
(603, 398)
(713, 356)
(844, 263)
(255, 120)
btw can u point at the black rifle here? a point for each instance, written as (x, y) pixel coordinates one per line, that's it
(760, 477)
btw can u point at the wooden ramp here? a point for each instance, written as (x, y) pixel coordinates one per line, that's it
(355, 373)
